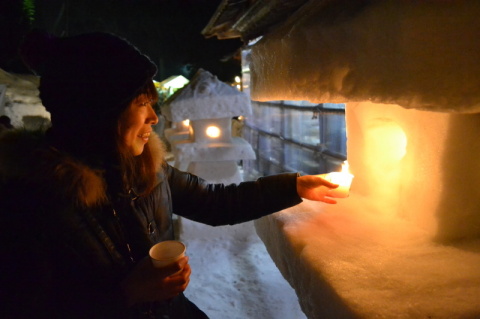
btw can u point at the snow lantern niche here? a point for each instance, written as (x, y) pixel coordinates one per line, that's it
(210, 151)
(406, 242)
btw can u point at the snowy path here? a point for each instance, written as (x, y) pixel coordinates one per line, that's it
(233, 276)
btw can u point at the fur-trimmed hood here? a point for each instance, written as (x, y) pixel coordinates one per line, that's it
(25, 156)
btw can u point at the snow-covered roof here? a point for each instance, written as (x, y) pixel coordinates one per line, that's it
(422, 55)
(21, 88)
(174, 81)
(21, 97)
(205, 97)
(417, 54)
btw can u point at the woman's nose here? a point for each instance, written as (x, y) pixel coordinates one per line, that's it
(152, 117)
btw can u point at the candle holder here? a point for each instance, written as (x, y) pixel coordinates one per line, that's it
(343, 179)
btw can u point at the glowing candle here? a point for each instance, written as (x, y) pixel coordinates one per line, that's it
(343, 179)
(213, 131)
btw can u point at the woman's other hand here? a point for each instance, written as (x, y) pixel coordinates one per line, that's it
(146, 283)
(314, 187)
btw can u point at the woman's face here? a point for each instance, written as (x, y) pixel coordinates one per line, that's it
(136, 122)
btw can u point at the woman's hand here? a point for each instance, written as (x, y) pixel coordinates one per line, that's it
(146, 283)
(314, 187)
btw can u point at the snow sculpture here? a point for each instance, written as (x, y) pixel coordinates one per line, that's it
(406, 243)
(418, 54)
(21, 98)
(210, 150)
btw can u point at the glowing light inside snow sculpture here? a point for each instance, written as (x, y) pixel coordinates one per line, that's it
(385, 143)
(382, 157)
(213, 131)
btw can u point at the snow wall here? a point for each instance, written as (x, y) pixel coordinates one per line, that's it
(382, 58)
(406, 243)
(418, 54)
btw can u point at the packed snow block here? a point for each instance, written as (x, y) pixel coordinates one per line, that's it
(189, 151)
(417, 54)
(346, 261)
(406, 243)
(418, 165)
(214, 161)
(224, 172)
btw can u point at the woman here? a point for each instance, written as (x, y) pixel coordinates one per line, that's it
(83, 202)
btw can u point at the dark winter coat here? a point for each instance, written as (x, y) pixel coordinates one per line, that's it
(64, 243)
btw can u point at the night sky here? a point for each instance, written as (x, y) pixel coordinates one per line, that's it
(168, 31)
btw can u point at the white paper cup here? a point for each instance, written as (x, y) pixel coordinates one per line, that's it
(166, 252)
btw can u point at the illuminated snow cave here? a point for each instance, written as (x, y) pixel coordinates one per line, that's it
(406, 242)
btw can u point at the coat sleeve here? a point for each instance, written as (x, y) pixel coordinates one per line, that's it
(219, 204)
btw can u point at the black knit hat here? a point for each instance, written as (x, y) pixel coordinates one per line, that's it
(86, 77)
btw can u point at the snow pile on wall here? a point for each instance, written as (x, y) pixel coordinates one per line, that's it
(205, 97)
(417, 54)
(345, 261)
(406, 243)
(22, 97)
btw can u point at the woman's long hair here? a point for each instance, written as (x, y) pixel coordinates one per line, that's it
(139, 172)
(96, 141)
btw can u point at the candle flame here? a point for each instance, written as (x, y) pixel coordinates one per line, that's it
(343, 179)
(213, 131)
(345, 167)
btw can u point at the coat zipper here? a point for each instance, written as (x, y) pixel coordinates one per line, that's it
(122, 235)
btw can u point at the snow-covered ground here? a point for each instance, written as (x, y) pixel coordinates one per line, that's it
(233, 275)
